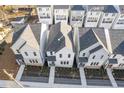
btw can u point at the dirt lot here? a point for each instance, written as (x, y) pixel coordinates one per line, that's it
(8, 62)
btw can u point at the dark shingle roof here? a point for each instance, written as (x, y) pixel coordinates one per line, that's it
(70, 35)
(36, 29)
(88, 37)
(95, 7)
(18, 30)
(61, 6)
(101, 34)
(113, 61)
(53, 43)
(110, 9)
(117, 41)
(77, 7)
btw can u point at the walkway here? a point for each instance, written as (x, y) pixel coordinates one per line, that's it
(82, 76)
(20, 72)
(108, 40)
(52, 75)
(109, 72)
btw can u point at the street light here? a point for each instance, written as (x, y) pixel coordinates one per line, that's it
(11, 77)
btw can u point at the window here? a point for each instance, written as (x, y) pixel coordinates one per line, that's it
(34, 53)
(91, 63)
(69, 55)
(33, 61)
(91, 13)
(93, 57)
(26, 53)
(67, 62)
(30, 61)
(36, 61)
(64, 62)
(40, 9)
(60, 55)
(51, 53)
(94, 63)
(83, 54)
(61, 62)
(97, 63)
(101, 57)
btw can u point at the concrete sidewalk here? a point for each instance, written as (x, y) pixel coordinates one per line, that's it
(109, 72)
(82, 76)
(20, 72)
(52, 75)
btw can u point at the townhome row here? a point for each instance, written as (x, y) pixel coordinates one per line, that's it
(58, 45)
(106, 16)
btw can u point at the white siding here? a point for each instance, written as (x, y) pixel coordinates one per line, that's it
(120, 60)
(61, 15)
(98, 54)
(65, 51)
(107, 20)
(92, 19)
(119, 23)
(76, 18)
(45, 15)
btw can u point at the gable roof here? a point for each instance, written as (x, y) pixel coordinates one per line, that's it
(19, 29)
(87, 37)
(101, 35)
(36, 29)
(77, 7)
(117, 41)
(57, 40)
(110, 9)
